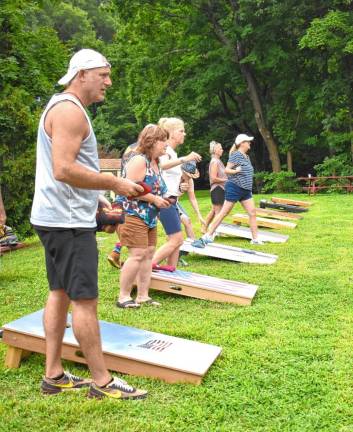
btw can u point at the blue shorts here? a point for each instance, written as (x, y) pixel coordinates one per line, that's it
(235, 193)
(170, 219)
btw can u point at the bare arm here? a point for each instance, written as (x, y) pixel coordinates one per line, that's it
(213, 174)
(230, 171)
(193, 200)
(68, 127)
(136, 171)
(175, 162)
(2, 211)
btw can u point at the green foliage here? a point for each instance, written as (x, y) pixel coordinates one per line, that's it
(186, 59)
(338, 165)
(283, 181)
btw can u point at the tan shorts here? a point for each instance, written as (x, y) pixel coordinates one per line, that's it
(134, 233)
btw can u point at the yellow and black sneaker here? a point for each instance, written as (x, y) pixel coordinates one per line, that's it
(116, 389)
(67, 382)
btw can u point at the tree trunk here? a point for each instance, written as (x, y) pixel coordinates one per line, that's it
(289, 161)
(259, 117)
(238, 52)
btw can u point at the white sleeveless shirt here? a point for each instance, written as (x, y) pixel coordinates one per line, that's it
(57, 204)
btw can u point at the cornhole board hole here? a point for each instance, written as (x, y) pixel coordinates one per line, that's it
(268, 223)
(245, 232)
(203, 287)
(291, 202)
(230, 253)
(286, 207)
(4, 249)
(275, 214)
(126, 349)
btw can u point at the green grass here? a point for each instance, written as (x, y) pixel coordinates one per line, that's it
(286, 363)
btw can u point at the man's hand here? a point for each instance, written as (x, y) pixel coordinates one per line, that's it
(127, 187)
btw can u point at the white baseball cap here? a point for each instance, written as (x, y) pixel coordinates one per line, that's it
(83, 60)
(242, 137)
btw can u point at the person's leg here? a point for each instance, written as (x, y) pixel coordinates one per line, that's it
(54, 322)
(249, 207)
(129, 272)
(185, 220)
(114, 256)
(170, 220)
(225, 210)
(169, 250)
(144, 275)
(209, 219)
(86, 330)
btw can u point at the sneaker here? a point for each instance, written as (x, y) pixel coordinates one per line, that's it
(114, 259)
(256, 242)
(207, 238)
(116, 389)
(69, 381)
(200, 243)
(168, 268)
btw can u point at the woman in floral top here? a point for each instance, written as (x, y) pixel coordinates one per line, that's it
(139, 232)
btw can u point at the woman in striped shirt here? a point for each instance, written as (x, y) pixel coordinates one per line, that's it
(237, 188)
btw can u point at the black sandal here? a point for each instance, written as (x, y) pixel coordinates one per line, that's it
(128, 304)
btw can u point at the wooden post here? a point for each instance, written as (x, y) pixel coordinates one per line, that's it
(14, 356)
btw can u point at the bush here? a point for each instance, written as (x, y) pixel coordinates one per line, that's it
(283, 181)
(338, 165)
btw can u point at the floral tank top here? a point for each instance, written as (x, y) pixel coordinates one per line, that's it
(146, 211)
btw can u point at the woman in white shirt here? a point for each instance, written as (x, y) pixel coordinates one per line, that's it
(172, 174)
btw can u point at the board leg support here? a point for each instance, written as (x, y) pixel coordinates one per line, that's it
(14, 356)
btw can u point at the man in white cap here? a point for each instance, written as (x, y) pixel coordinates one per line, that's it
(63, 214)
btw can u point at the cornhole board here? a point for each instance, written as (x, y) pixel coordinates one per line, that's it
(4, 249)
(291, 202)
(203, 287)
(286, 207)
(245, 232)
(126, 349)
(275, 214)
(268, 223)
(230, 253)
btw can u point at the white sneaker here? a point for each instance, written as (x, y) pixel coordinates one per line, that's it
(256, 242)
(208, 238)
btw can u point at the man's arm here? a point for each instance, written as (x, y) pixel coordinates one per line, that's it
(2, 211)
(68, 127)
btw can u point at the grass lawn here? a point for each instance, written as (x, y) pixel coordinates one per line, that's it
(286, 363)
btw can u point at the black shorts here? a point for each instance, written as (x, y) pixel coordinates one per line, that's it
(71, 258)
(217, 195)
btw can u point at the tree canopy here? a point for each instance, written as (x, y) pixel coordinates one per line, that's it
(280, 71)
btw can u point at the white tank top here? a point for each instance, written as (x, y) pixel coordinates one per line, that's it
(171, 176)
(57, 204)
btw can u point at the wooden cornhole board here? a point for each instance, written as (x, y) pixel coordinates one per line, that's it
(268, 223)
(4, 249)
(275, 214)
(126, 349)
(245, 232)
(288, 208)
(203, 287)
(291, 202)
(231, 253)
